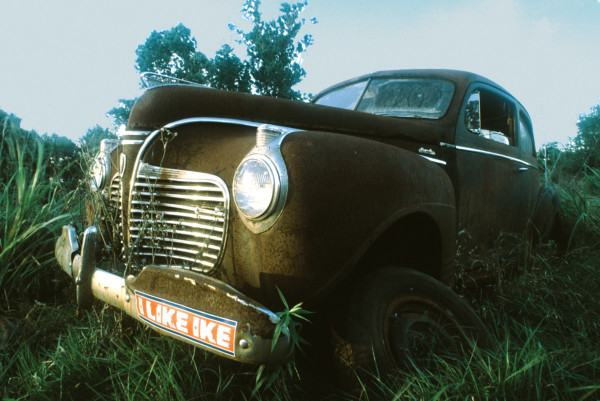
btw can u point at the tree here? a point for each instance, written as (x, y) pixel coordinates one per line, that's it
(173, 52)
(574, 159)
(273, 67)
(275, 57)
(120, 114)
(228, 72)
(90, 142)
(587, 140)
(64, 160)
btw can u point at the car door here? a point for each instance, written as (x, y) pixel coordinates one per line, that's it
(530, 174)
(493, 177)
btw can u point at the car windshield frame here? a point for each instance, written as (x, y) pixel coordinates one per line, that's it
(402, 97)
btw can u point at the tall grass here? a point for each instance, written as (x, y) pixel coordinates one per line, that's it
(31, 213)
(580, 202)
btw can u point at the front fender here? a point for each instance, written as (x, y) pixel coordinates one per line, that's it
(343, 193)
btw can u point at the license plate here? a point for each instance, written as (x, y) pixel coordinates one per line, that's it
(215, 332)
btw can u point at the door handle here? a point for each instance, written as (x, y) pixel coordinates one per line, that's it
(522, 169)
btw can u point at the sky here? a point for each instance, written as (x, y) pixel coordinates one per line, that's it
(65, 63)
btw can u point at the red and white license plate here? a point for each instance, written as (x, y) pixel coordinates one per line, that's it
(215, 332)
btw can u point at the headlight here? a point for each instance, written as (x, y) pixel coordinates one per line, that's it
(256, 187)
(100, 172)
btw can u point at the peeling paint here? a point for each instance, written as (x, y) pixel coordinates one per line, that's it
(273, 318)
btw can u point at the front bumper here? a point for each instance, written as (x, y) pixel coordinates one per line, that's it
(183, 304)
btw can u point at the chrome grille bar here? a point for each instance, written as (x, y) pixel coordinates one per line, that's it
(179, 223)
(178, 218)
(186, 215)
(200, 198)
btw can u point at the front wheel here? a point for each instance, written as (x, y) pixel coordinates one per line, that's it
(400, 318)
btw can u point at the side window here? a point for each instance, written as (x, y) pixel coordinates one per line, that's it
(525, 134)
(492, 116)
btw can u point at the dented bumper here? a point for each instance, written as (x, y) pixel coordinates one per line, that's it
(186, 305)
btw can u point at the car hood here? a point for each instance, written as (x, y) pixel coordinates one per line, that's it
(165, 104)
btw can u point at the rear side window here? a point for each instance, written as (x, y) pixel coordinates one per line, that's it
(525, 134)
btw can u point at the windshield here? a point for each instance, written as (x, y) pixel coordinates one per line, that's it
(404, 97)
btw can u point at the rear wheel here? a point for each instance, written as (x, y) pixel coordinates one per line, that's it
(401, 318)
(546, 221)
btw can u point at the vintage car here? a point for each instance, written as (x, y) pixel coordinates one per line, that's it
(210, 203)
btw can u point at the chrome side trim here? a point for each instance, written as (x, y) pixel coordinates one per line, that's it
(132, 141)
(432, 159)
(123, 131)
(485, 152)
(134, 133)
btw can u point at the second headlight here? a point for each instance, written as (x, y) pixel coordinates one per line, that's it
(256, 186)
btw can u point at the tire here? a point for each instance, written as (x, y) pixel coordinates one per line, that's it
(398, 317)
(546, 221)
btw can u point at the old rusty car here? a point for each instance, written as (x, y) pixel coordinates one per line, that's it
(211, 201)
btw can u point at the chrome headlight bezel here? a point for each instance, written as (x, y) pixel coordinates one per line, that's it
(270, 155)
(101, 167)
(100, 172)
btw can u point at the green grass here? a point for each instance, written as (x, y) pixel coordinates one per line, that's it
(31, 213)
(542, 307)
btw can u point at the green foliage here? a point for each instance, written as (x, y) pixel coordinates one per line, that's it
(172, 52)
(275, 57)
(90, 142)
(290, 321)
(273, 66)
(587, 140)
(228, 72)
(31, 213)
(580, 203)
(120, 114)
(569, 162)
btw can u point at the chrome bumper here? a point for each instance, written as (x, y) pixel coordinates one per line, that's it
(183, 304)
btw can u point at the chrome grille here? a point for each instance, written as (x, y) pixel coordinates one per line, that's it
(178, 218)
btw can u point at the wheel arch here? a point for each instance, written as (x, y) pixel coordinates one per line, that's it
(413, 241)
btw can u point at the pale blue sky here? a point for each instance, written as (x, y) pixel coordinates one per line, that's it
(64, 64)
